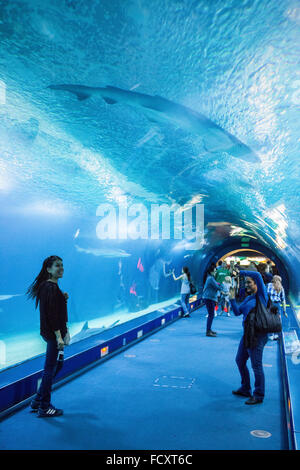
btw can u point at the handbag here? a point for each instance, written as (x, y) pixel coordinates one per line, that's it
(192, 288)
(267, 318)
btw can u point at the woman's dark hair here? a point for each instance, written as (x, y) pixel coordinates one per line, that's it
(210, 269)
(187, 272)
(33, 290)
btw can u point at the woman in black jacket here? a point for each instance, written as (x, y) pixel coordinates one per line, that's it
(53, 329)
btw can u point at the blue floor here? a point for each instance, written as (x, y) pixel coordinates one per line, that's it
(170, 391)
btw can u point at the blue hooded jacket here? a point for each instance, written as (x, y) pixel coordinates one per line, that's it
(211, 288)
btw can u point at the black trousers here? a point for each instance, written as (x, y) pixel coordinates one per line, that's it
(51, 368)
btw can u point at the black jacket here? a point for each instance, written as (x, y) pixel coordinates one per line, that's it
(53, 310)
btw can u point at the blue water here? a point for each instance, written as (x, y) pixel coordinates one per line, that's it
(234, 63)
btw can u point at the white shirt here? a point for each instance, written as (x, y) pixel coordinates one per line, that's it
(185, 286)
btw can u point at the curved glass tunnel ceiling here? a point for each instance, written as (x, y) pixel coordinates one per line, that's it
(244, 252)
(160, 102)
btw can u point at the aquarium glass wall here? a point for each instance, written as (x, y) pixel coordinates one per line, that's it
(109, 110)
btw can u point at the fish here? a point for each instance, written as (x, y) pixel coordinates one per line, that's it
(159, 109)
(87, 332)
(9, 296)
(105, 252)
(77, 233)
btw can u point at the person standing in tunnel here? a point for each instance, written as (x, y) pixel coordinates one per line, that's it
(277, 295)
(221, 272)
(219, 265)
(185, 291)
(234, 277)
(156, 272)
(266, 275)
(53, 329)
(255, 289)
(224, 299)
(269, 267)
(210, 296)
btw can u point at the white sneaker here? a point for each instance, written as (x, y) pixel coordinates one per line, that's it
(228, 314)
(271, 337)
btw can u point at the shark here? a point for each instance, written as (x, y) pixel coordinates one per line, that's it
(9, 296)
(159, 109)
(105, 252)
(86, 332)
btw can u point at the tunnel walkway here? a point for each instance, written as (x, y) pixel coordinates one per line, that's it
(170, 391)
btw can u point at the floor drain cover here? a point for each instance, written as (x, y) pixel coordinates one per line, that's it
(174, 382)
(261, 434)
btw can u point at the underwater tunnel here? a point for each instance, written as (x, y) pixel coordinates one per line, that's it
(138, 138)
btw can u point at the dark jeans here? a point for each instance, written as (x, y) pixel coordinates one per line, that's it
(186, 306)
(255, 355)
(210, 305)
(277, 304)
(51, 369)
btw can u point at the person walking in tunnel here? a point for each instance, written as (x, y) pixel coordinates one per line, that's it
(270, 268)
(210, 296)
(256, 291)
(224, 299)
(53, 329)
(219, 265)
(221, 272)
(185, 291)
(265, 274)
(234, 279)
(277, 295)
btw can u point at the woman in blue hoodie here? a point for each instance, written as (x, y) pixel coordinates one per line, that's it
(210, 296)
(254, 286)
